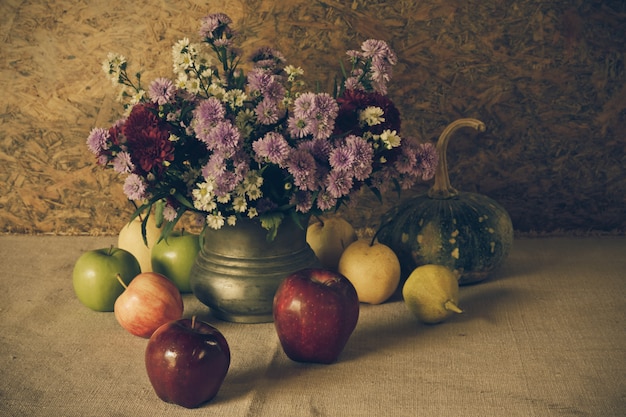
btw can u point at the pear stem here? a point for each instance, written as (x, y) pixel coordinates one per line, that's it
(119, 278)
(319, 219)
(450, 306)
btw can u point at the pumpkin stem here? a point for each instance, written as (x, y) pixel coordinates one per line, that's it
(442, 188)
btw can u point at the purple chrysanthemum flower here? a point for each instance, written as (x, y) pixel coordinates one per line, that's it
(319, 148)
(223, 137)
(267, 112)
(268, 58)
(338, 183)
(272, 147)
(209, 111)
(326, 105)
(325, 201)
(224, 43)
(169, 213)
(298, 128)
(341, 158)
(97, 140)
(265, 204)
(122, 163)
(102, 159)
(274, 91)
(407, 160)
(322, 127)
(206, 115)
(225, 183)
(301, 165)
(353, 55)
(303, 201)
(352, 83)
(427, 160)
(363, 156)
(259, 79)
(378, 50)
(214, 166)
(135, 187)
(161, 91)
(380, 74)
(214, 25)
(305, 106)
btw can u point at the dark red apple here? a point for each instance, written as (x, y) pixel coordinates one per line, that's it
(315, 312)
(187, 361)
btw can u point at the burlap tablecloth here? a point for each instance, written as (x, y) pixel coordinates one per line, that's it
(544, 337)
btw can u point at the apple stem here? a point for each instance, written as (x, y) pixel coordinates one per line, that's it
(193, 321)
(110, 250)
(119, 278)
(450, 306)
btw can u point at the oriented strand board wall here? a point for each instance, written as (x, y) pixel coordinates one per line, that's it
(547, 77)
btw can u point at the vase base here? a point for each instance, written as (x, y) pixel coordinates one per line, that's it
(242, 318)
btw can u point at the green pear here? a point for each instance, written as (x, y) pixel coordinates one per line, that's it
(431, 293)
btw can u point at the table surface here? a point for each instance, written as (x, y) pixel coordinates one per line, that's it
(545, 336)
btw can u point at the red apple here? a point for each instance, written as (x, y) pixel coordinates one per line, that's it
(149, 301)
(187, 361)
(174, 256)
(315, 312)
(94, 276)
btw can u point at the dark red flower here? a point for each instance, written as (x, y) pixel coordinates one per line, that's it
(147, 138)
(352, 102)
(115, 132)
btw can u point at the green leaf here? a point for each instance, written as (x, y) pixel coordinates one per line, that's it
(169, 226)
(297, 219)
(397, 187)
(270, 222)
(144, 223)
(377, 193)
(184, 201)
(158, 212)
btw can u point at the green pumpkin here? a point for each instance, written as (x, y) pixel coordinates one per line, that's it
(469, 233)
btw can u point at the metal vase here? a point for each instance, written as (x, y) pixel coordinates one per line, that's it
(238, 271)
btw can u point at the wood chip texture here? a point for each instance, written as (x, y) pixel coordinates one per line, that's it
(547, 77)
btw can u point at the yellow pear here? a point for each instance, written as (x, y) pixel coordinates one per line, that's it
(373, 269)
(431, 292)
(328, 238)
(131, 239)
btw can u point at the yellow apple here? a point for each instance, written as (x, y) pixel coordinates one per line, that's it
(131, 239)
(431, 293)
(328, 238)
(373, 269)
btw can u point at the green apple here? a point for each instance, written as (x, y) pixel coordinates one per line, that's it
(95, 276)
(328, 238)
(373, 269)
(130, 238)
(174, 257)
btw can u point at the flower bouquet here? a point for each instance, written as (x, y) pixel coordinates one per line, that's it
(225, 143)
